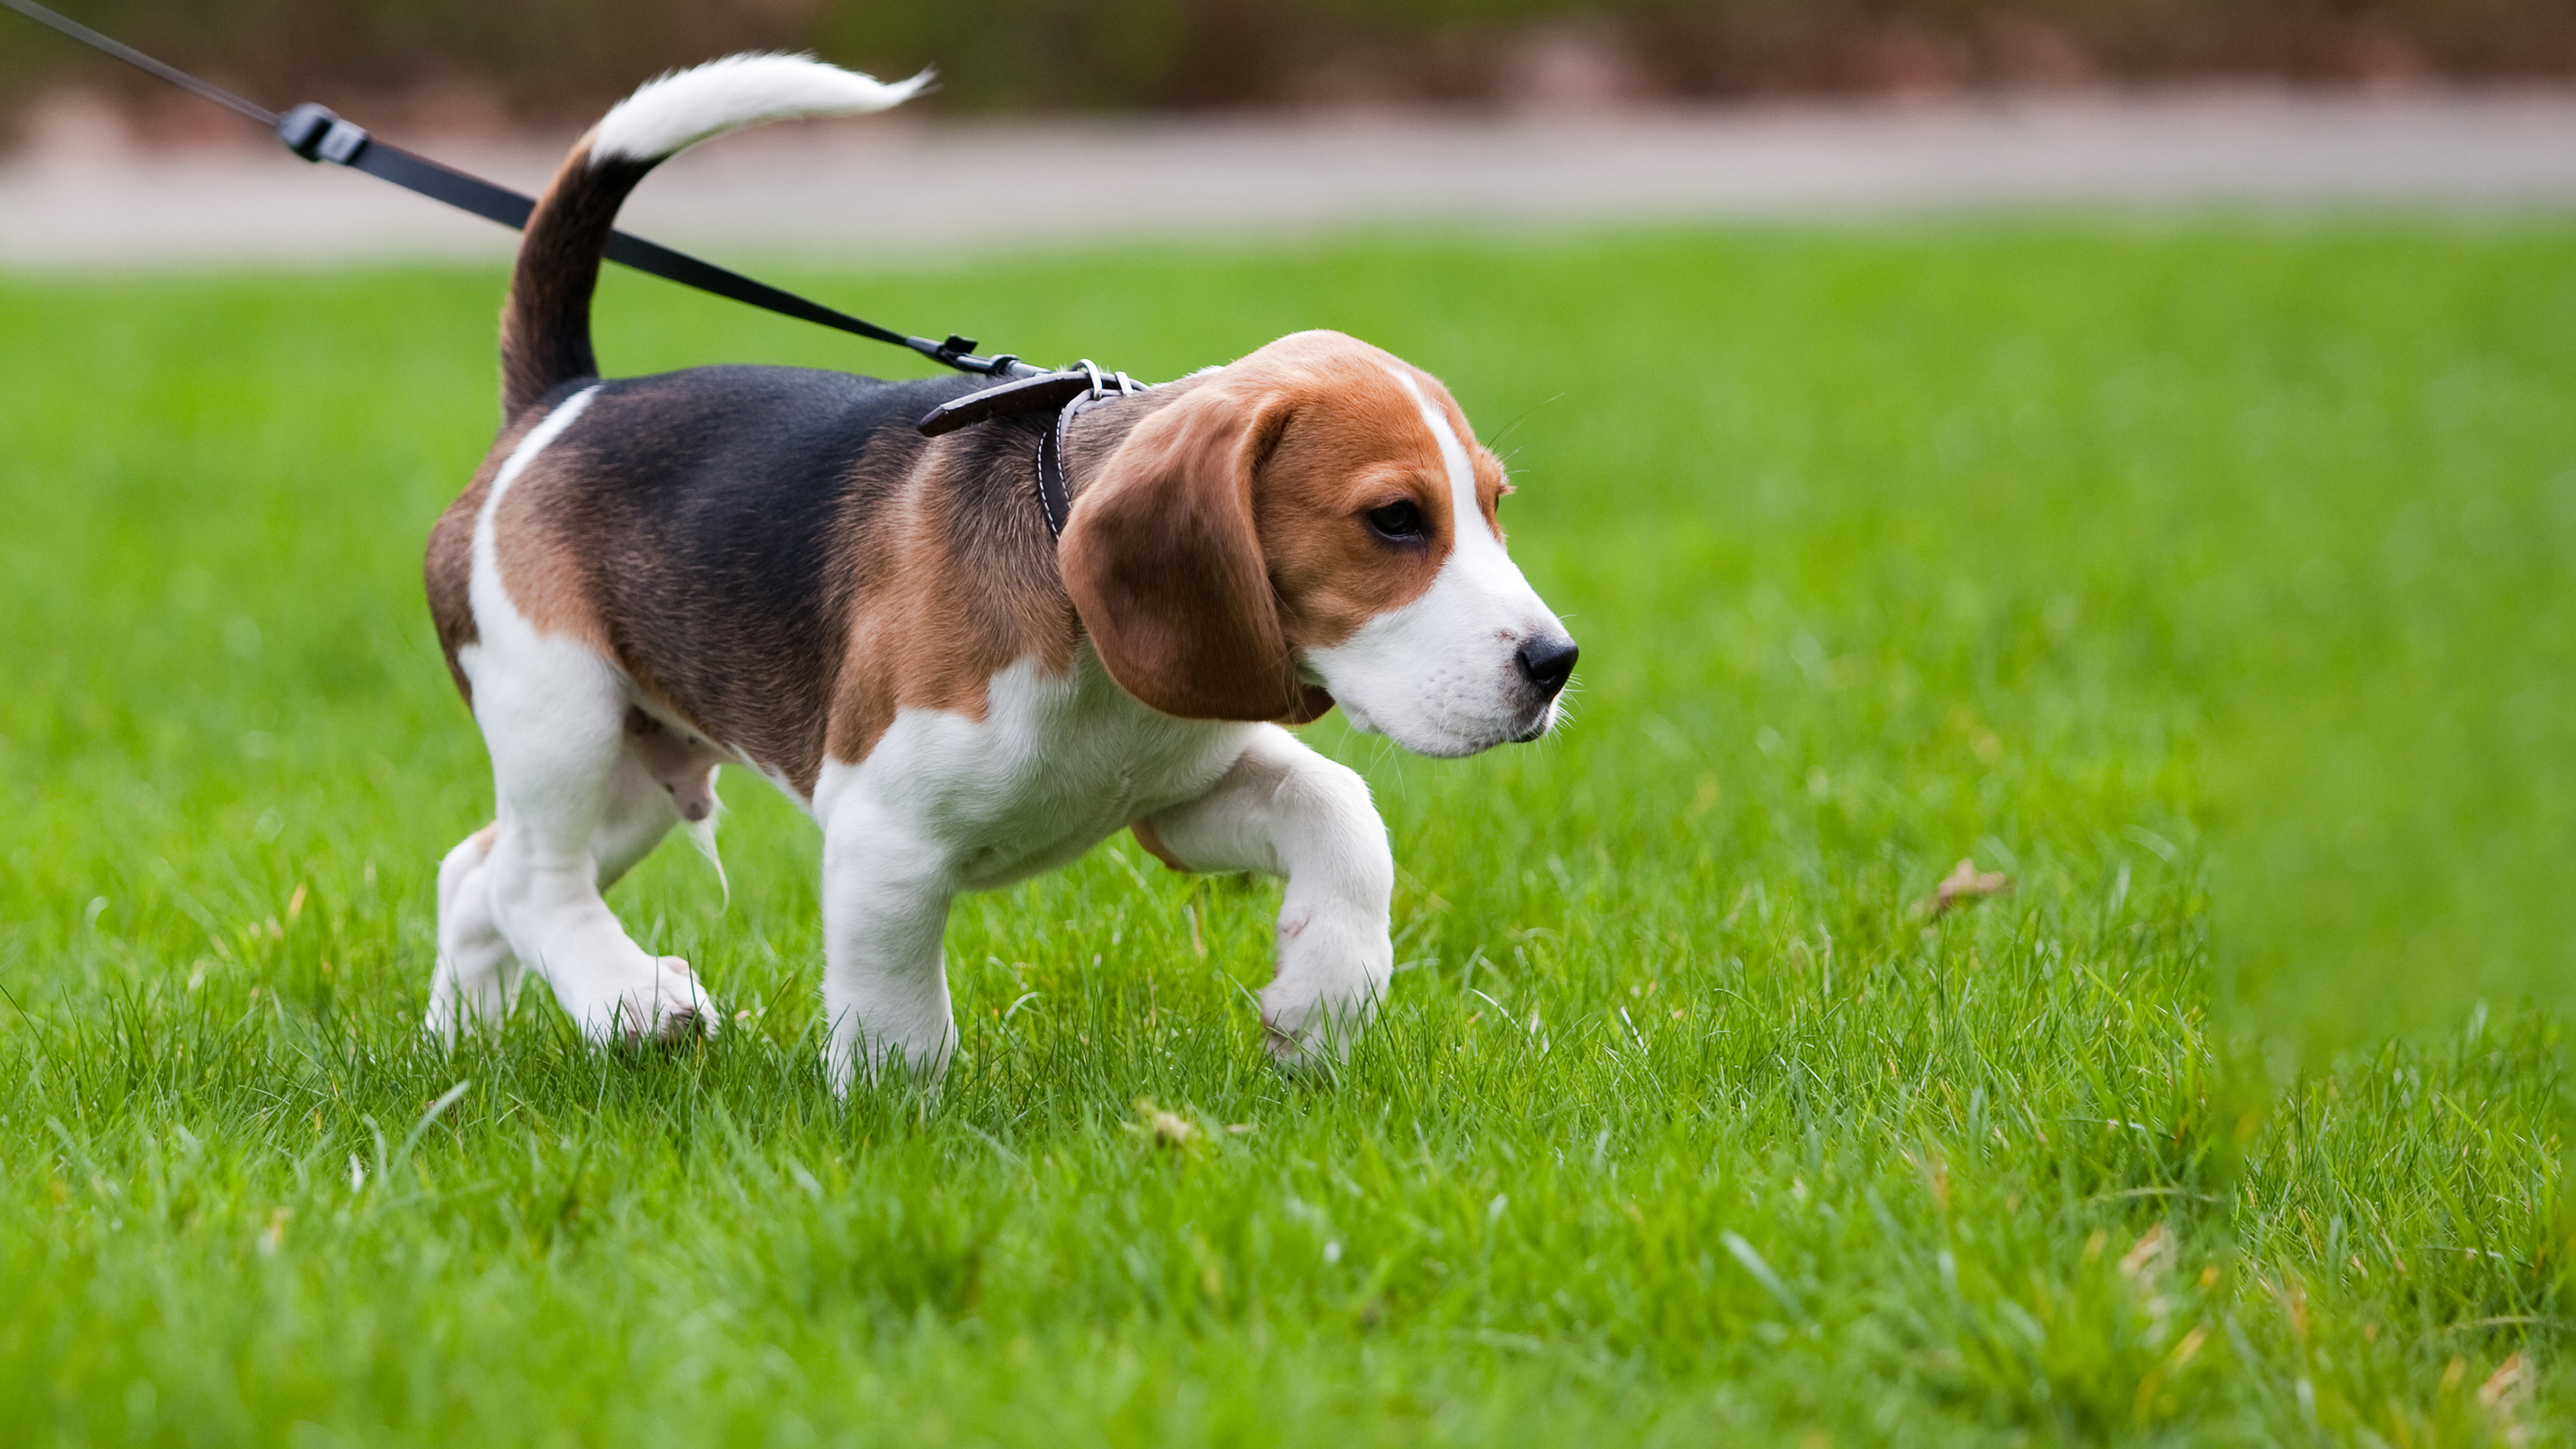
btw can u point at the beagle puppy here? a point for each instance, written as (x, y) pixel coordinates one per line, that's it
(770, 566)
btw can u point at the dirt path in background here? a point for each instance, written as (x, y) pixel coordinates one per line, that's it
(889, 188)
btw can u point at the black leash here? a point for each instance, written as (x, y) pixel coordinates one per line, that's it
(314, 133)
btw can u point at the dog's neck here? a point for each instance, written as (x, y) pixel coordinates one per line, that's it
(1097, 433)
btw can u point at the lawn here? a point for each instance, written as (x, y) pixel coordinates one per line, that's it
(1885, 548)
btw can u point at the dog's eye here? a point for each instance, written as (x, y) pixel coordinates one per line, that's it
(1399, 522)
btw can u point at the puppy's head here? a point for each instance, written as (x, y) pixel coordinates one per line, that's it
(1315, 523)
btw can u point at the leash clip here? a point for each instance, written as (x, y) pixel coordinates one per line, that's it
(314, 133)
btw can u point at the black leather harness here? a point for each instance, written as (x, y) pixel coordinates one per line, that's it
(1072, 392)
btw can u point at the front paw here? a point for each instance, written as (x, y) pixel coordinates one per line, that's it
(1332, 976)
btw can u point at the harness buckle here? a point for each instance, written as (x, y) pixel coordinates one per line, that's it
(1127, 386)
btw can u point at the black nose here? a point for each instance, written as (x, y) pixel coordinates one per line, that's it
(1546, 662)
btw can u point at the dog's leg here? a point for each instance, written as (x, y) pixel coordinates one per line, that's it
(477, 977)
(640, 812)
(885, 902)
(1285, 810)
(471, 987)
(574, 813)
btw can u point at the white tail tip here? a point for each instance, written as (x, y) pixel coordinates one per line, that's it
(677, 111)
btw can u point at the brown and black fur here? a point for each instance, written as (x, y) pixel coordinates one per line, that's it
(780, 561)
(775, 555)
(545, 326)
(713, 531)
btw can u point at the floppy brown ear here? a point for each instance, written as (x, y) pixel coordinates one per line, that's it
(1165, 565)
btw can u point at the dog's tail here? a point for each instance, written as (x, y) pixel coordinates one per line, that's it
(545, 326)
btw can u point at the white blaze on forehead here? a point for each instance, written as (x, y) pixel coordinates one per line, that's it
(1453, 457)
(1436, 673)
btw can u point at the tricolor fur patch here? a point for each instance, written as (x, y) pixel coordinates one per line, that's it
(768, 566)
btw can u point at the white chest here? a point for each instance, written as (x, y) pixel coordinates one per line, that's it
(1058, 762)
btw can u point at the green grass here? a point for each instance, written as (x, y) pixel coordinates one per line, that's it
(1884, 548)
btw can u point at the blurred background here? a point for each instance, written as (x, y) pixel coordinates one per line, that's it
(1199, 119)
(461, 64)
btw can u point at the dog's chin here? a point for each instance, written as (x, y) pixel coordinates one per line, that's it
(1446, 748)
(1443, 741)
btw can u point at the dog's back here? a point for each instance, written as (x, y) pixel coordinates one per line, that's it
(686, 524)
(699, 528)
